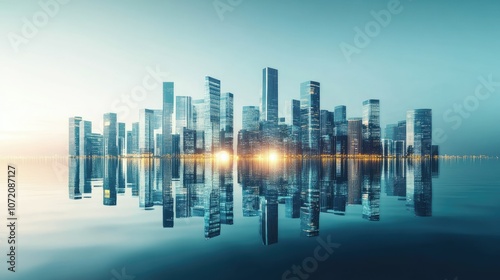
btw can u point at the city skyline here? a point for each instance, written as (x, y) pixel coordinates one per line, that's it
(408, 60)
(206, 126)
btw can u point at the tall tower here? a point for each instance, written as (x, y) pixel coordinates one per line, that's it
(371, 127)
(419, 132)
(168, 109)
(354, 136)
(212, 115)
(74, 136)
(183, 113)
(310, 116)
(269, 102)
(110, 135)
(227, 121)
(146, 128)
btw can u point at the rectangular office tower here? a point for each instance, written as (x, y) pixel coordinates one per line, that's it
(310, 117)
(354, 136)
(227, 121)
(212, 115)
(269, 102)
(183, 113)
(292, 112)
(251, 115)
(168, 110)
(110, 135)
(74, 136)
(371, 127)
(146, 129)
(419, 132)
(85, 132)
(340, 118)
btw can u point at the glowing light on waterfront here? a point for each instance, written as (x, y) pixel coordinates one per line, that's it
(223, 156)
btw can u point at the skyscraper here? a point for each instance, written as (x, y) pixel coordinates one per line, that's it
(74, 136)
(371, 127)
(183, 113)
(354, 136)
(326, 130)
(292, 112)
(227, 121)
(146, 135)
(251, 115)
(419, 132)
(212, 114)
(85, 131)
(310, 116)
(168, 109)
(110, 135)
(340, 129)
(269, 102)
(121, 139)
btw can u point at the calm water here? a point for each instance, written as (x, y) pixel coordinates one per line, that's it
(330, 219)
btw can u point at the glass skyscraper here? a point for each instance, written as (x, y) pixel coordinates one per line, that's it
(110, 135)
(292, 112)
(146, 128)
(354, 136)
(340, 117)
(74, 136)
(121, 139)
(251, 115)
(419, 132)
(269, 102)
(85, 131)
(371, 127)
(212, 115)
(227, 121)
(168, 109)
(183, 113)
(310, 116)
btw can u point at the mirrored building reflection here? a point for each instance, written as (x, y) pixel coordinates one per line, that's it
(304, 189)
(110, 181)
(309, 212)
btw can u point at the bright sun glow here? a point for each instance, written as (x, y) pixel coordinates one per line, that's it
(223, 156)
(273, 156)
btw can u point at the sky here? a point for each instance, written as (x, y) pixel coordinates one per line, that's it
(61, 58)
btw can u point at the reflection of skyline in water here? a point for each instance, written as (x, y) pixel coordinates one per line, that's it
(194, 189)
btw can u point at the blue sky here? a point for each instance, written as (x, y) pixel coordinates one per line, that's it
(90, 54)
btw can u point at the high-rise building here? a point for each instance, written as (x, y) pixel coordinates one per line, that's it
(354, 136)
(135, 138)
(146, 135)
(340, 130)
(251, 115)
(269, 101)
(130, 142)
(227, 121)
(212, 115)
(74, 136)
(400, 134)
(390, 131)
(419, 132)
(198, 114)
(168, 109)
(121, 138)
(110, 135)
(327, 131)
(310, 117)
(292, 112)
(183, 113)
(371, 127)
(85, 131)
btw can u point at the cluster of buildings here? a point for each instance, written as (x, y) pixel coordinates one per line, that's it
(206, 126)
